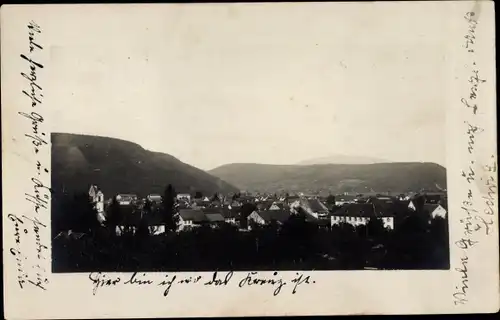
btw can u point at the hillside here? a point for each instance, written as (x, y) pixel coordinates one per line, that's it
(119, 166)
(342, 159)
(335, 178)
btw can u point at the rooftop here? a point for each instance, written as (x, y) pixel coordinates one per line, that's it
(193, 215)
(277, 215)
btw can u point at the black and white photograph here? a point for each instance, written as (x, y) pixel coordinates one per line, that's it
(250, 146)
(249, 159)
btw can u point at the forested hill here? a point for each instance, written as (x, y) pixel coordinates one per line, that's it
(335, 178)
(119, 166)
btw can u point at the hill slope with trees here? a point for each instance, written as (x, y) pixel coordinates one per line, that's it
(119, 166)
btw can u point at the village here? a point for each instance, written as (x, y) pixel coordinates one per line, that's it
(246, 210)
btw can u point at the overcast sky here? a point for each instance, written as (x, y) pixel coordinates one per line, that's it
(217, 84)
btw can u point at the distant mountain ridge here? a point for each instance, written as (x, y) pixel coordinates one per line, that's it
(119, 166)
(334, 178)
(342, 159)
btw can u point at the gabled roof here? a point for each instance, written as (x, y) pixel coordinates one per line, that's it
(278, 215)
(193, 215)
(278, 204)
(363, 210)
(316, 205)
(225, 212)
(214, 217)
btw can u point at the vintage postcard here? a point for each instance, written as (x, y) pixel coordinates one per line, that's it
(249, 159)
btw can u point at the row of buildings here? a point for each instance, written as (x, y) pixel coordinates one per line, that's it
(218, 210)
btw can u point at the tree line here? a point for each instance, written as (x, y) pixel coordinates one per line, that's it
(79, 214)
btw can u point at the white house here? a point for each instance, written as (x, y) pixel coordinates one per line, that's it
(156, 229)
(435, 210)
(126, 199)
(156, 198)
(189, 218)
(256, 218)
(360, 214)
(276, 206)
(184, 196)
(120, 230)
(230, 215)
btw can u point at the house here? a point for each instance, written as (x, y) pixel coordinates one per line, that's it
(230, 215)
(268, 216)
(129, 222)
(189, 218)
(435, 210)
(279, 216)
(340, 200)
(277, 206)
(292, 201)
(214, 219)
(184, 197)
(234, 204)
(412, 206)
(126, 199)
(312, 207)
(184, 205)
(432, 209)
(403, 197)
(154, 221)
(198, 204)
(357, 214)
(315, 208)
(381, 198)
(263, 205)
(155, 198)
(255, 218)
(322, 223)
